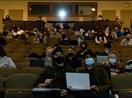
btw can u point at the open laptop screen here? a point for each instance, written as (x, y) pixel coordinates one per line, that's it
(78, 81)
(101, 59)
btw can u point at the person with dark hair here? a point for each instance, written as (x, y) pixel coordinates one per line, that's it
(56, 48)
(99, 80)
(64, 40)
(127, 31)
(84, 49)
(4, 60)
(118, 32)
(7, 17)
(2, 41)
(54, 77)
(100, 18)
(100, 38)
(107, 49)
(40, 24)
(71, 59)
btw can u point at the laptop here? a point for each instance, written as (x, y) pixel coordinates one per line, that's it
(101, 59)
(78, 81)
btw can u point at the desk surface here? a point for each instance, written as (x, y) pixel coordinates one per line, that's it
(44, 89)
(52, 89)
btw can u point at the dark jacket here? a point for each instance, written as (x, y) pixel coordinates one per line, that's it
(98, 77)
(83, 53)
(56, 73)
(74, 62)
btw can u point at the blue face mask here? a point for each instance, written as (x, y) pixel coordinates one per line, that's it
(89, 61)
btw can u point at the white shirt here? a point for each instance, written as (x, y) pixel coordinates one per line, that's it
(125, 42)
(20, 32)
(100, 40)
(6, 62)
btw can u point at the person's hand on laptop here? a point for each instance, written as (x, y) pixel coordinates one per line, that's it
(46, 83)
(63, 92)
(94, 88)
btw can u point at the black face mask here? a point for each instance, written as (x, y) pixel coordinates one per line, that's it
(128, 39)
(59, 60)
(83, 48)
(70, 54)
(100, 35)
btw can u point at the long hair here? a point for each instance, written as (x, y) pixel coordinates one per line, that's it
(117, 57)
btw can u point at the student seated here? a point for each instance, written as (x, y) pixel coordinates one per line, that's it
(71, 59)
(114, 63)
(127, 41)
(84, 49)
(128, 66)
(107, 49)
(99, 80)
(54, 77)
(100, 37)
(5, 61)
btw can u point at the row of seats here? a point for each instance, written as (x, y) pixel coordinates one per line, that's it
(18, 51)
(122, 85)
(20, 85)
(6, 72)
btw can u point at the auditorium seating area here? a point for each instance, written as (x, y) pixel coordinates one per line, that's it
(8, 24)
(38, 35)
(19, 52)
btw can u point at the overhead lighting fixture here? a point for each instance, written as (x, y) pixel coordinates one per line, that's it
(93, 9)
(62, 13)
(126, 4)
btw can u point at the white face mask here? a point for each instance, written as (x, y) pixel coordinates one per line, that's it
(112, 60)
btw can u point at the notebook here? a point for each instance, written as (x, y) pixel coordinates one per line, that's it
(78, 81)
(101, 59)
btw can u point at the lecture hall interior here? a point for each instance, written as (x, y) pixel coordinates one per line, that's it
(43, 41)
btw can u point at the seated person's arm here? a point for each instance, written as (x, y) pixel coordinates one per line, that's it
(96, 40)
(11, 63)
(94, 88)
(105, 40)
(46, 83)
(123, 43)
(44, 80)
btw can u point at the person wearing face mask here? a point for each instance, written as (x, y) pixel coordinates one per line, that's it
(54, 77)
(71, 59)
(64, 40)
(48, 58)
(84, 50)
(100, 37)
(113, 63)
(99, 80)
(127, 41)
(106, 50)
